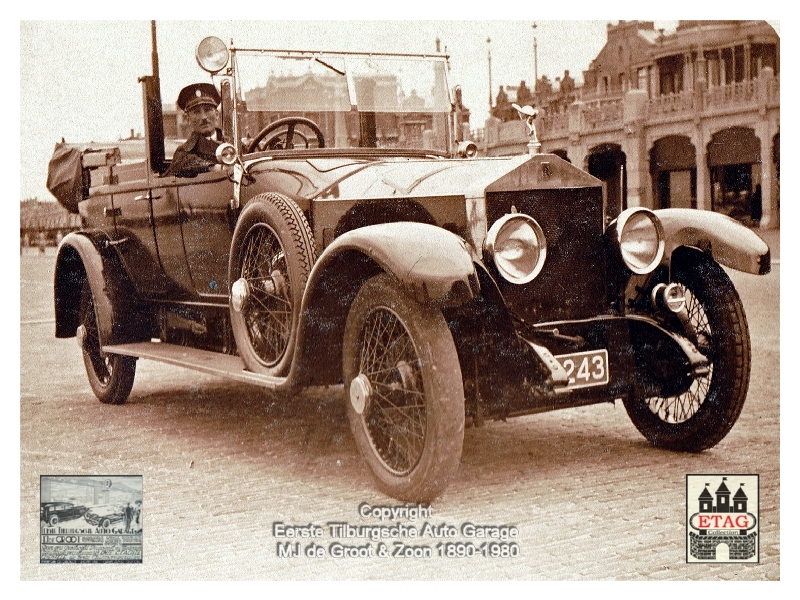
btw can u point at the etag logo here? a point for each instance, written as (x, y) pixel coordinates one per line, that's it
(722, 518)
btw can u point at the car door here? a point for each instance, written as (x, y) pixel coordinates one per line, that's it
(169, 236)
(135, 236)
(207, 221)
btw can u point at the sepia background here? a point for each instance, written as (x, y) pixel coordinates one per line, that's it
(221, 462)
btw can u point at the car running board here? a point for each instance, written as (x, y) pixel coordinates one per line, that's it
(213, 363)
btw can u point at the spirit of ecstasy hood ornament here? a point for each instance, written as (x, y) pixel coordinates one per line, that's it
(529, 114)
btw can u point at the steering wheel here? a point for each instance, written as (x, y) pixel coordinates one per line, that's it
(284, 138)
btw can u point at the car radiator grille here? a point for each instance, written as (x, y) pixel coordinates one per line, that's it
(572, 282)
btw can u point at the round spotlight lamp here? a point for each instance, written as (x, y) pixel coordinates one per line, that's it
(212, 54)
(226, 154)
(467, 149)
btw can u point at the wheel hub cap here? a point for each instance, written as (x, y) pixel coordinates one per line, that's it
(240, 290)
(80, 335)
(360, 392)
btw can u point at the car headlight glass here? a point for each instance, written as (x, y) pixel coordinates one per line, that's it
(641, 239)
(226, 154)
(212, 54)
(517, 245)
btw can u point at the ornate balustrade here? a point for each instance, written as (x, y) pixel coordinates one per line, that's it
(553, 125)
(607, 113)
(774, 91)
(596, 115)
(671, 104)
(733, 94)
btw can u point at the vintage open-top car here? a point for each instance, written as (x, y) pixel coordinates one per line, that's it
(350, 236)
(105, 515)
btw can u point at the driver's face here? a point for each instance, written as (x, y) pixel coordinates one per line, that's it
(203, 118)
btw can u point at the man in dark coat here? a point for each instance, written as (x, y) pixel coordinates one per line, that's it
(199, 102)
(128, 515)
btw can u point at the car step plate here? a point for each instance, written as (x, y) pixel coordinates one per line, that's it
(213, 363)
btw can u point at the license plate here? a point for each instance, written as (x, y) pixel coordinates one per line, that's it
(585, 369)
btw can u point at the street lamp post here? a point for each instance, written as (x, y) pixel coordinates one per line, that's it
(535, 62)
(489, 57)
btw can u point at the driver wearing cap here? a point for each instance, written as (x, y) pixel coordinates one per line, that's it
(199, 102)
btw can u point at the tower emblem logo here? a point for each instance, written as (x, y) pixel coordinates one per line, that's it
(722, 518)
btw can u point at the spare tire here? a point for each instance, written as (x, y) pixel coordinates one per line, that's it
(272, 253)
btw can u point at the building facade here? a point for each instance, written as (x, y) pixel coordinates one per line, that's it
(686, 119)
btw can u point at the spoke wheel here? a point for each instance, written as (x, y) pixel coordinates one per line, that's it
(682, 407)
(704, 413)
(271, 258)
(403, 390)
(395, 419)
(268, 312)
(110, 375)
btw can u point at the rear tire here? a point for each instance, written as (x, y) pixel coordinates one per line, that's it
(110, 375)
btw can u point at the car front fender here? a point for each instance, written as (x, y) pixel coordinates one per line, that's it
(121, 317)
(729, 242)
(433, 265)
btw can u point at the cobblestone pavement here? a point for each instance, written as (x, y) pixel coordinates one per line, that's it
(222, 462)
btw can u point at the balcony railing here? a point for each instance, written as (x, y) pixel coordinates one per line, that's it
(774, 90)
(608, 112)
(597, 114)
(671, 104)
(554, 125)
(739, 93)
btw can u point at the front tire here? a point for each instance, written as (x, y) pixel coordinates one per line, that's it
(53, 520)
(403, 390)
(701, 416)
(110, 375)
(272, 253)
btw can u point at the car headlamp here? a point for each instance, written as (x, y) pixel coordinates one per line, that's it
(640, 237)
(212, 54)
(226, 154)
(467, 149)
(517, 245)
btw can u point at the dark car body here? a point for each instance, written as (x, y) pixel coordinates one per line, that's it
(440, 290)
(53, 513)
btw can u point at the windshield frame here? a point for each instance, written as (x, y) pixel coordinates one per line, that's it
(235, 107)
